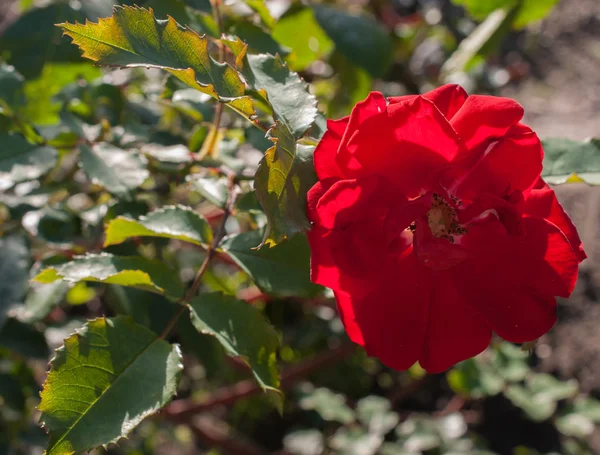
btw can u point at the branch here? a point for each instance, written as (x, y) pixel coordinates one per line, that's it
(182, 410)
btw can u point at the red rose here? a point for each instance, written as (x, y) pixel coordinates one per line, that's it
(432, 225)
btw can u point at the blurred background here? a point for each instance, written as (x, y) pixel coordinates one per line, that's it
(540, 399)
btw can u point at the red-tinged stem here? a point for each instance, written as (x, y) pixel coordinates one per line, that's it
(182, 410)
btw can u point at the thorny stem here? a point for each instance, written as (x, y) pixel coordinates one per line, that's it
(210, 253)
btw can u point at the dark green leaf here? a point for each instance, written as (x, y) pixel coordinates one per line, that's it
(258, 40)
(41, 300)
(288, 94)
(565, 157)
(134, 37)
(280, 270)
(14, 267)
(173, 222)
(360, 39)
(117, 170)
(21, 160)
(244, 332)
(11, 87)
(283, 178)
(23, 339)
(106, 379)
(137, 272)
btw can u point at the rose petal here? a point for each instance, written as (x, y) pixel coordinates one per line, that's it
(512, 163)
(482, 119)
(408, 144)
(448, 99)
(542, 203)
(392, 318)
(455, 331)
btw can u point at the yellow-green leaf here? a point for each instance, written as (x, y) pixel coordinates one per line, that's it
(173, 222)
(132, 271)
(133, 37)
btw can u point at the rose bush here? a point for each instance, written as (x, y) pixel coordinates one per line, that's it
(432, 225)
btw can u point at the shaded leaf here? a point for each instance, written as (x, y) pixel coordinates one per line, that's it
(362, 40)
(243, 331)
(21, 160)
(173, 222)
(133, 37)
(14, 268)
(137, 272)
(281, 270)
(288, 94)
(213, 189)
(103, 382)
(41, 300)
(23, 339)
(117, 170)
(283, 178)
(565, 157)
(11, 87)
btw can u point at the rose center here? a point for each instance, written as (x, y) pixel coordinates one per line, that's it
(443, 220)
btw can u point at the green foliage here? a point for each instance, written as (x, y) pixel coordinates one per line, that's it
(283, 178)
(173, 222)
(21, 160)
(280, 270)
(134, 194)
(108, 361)
(566, 159)
(137, 272)
(360, 39)
(134, 37)
(243, 332)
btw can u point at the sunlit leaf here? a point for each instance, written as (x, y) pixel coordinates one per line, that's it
(103, 382)
(134, 37)
(299, 30)
(283, 178)
(243, 332)
(173, 222)
(137, 272)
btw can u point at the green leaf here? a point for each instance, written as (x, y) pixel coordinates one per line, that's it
(263, 12)
(282, 270)
(118, 171)
(21, 160)
(243, 331)
(258, 40)
(299, 30)
(11, 87)
(330, 405)
(284, 176)
(14, 267)
(529, 10)
(588, 407)
(133, 37)
(288, 94)
(575, 425)
(482, 41)
(537, 409)
(33, 40)
(172, 222)
(362, 40)
(565, 157)
(137, 272)
(547, 387)
(213, 189)
(103, 382)
(41, 300)
(23, 339)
